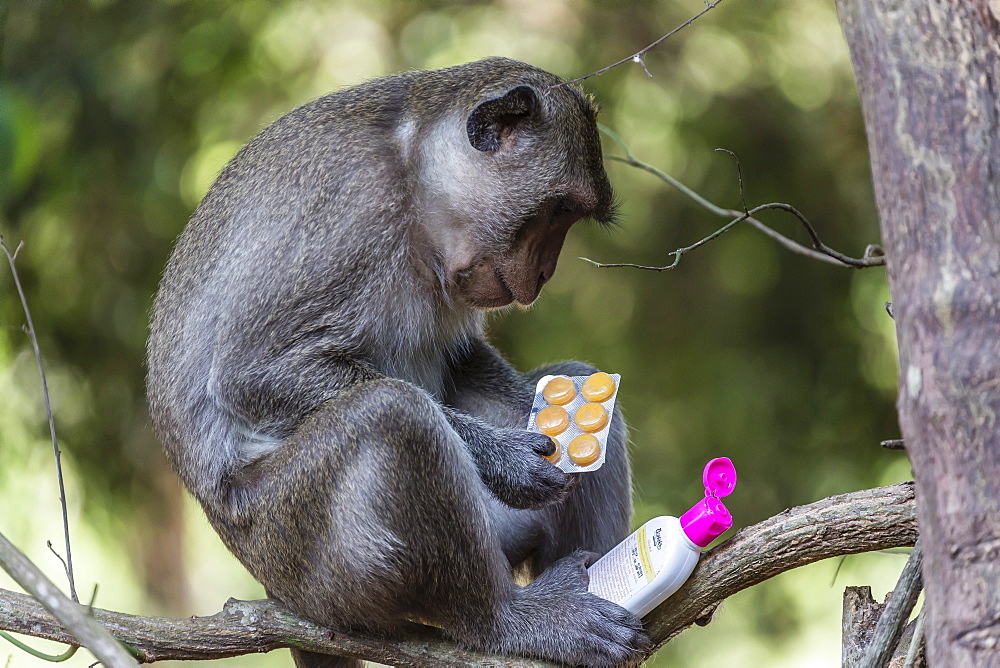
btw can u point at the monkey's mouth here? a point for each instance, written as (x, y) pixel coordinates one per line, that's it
(484, 286)
(502, 282)
(519, 272)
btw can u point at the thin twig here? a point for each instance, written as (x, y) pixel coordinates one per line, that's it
(739, 178)
(894, 444)
(30, 329)
(637, 56)
(680, 252)
(78, 620)
(917, 641)
(59, 557)
(836, 572)
(874, 256)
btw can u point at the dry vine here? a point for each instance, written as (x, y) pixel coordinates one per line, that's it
(85, 631)
(873, 256)
(29, 329)
(637, 56)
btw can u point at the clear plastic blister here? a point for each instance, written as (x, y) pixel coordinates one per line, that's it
(581, 436)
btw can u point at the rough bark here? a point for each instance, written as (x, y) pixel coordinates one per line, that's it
(846, 524)
(929, 77)
(885, 639)
(861, 615)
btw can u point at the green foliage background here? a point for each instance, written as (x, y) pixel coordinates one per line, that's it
(115, 117)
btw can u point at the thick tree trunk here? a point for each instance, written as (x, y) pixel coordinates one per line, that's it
(929, 77)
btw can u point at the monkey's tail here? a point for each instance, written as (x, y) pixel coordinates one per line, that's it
(313, 660)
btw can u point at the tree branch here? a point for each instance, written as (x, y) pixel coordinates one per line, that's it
(890, 625)
(861, 615)
(825, 251)
(847, 524)
(874, 519)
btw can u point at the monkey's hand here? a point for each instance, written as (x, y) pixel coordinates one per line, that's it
(517, 473)
(511, 463)
(592, 630)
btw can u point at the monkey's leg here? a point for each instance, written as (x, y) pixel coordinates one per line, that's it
(373, 512)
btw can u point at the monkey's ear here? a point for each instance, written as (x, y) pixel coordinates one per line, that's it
(494, 121)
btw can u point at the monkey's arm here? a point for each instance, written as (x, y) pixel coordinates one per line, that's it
(510, 461)
(488, 406)
(484, 384)
(508, 457)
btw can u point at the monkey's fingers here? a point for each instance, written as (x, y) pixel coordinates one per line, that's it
(544, 446)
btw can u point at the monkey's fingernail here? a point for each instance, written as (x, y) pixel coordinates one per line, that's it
(548, 448)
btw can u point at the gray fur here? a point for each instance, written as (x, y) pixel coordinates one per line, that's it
(319, 376)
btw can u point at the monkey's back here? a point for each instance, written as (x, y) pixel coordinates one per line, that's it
(302, 250)
(276, 253)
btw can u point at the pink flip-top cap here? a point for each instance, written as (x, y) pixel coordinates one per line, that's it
(709, 518)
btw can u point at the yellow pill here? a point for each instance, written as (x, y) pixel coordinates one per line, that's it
(559, 391)
(584, 450)
(590, 417)
(552, 420)
(557, 455)
(598, 387)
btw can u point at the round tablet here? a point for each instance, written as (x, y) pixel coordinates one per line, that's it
(590, 417)
(552, 420)
(557, 455)
(584, 450)
(598, 387)
(559, 391)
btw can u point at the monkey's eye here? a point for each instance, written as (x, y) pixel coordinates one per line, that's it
(567, 206)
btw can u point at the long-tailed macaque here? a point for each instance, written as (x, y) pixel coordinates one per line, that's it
(320, 379)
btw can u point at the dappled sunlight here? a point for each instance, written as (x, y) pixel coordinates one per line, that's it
(115, 120)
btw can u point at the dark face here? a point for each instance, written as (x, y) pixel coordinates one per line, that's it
(519, 272)
(546, 147)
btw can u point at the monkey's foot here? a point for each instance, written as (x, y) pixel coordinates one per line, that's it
(555, 617)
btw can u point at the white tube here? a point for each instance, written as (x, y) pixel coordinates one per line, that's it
(644, 569)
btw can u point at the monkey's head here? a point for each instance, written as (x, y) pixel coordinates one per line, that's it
(512, 163)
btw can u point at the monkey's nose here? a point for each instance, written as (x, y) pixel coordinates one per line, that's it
(543, 278)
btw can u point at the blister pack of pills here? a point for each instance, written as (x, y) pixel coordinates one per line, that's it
(575, 412)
